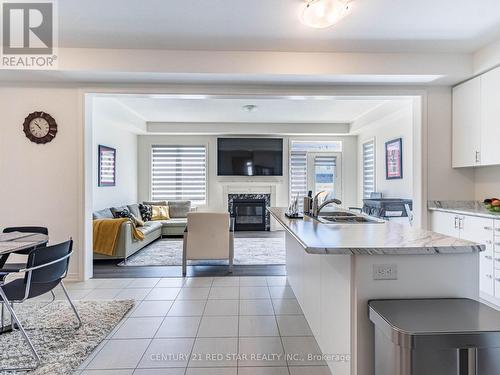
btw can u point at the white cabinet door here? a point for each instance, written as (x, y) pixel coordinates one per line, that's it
(490, 117)
(476, 229)
(445, 223)
(486, 272)
(467, 124)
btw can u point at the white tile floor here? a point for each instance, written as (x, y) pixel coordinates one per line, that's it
(202, 326)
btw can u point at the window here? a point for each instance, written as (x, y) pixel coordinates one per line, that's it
(298, 164)
(179, 173)
(298, 175)
(368, 168)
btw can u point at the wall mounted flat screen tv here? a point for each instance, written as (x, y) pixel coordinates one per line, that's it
(250, 157)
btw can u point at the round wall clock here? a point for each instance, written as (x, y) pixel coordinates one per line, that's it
(40, 127)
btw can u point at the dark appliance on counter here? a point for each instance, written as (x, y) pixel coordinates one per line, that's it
(386, 208)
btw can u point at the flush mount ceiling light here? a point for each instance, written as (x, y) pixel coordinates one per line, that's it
(324, 13)
(250, 108)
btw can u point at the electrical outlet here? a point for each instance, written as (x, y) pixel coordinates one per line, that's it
(385, 272)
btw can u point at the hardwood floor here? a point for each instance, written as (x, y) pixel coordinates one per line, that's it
(106, 269)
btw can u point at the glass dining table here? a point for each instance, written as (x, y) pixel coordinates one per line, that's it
(10, 243)
(16, 241)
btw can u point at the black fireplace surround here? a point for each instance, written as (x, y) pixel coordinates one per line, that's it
(249, 211)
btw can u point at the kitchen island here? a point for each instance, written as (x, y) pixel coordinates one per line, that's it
(335, 269)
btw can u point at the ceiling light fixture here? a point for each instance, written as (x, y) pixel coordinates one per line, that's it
(324, 13)
(250, 108)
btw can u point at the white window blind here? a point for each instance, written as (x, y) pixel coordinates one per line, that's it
(179, 173)
(298, 175)
(368, 168)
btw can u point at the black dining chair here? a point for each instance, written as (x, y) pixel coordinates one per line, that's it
(46, 268)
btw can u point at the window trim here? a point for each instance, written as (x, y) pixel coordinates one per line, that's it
(373, 141)
(181, 144)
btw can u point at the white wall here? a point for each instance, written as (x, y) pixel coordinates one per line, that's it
(42, 184)
(487, 182)
(393, 126)
(216, 184)
(115, 127)
(444, 182)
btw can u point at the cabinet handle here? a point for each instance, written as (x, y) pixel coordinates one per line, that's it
(478, 157)
(489, 276)
(456, 222)
(488, 228)
(489, 257)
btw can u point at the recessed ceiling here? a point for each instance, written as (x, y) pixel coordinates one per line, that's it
(372, 25)
(230, 110)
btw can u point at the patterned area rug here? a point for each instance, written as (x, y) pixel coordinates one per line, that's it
(247, 251)
(61, 347)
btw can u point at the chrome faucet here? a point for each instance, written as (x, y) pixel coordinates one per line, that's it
(316, 209)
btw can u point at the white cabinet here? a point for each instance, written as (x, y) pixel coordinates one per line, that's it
(481, 230)
(490, 117)
(445, 223)
(467, 123)
(476, 121)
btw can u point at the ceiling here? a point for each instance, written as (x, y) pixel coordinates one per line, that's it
(230, 110)
(372, 26)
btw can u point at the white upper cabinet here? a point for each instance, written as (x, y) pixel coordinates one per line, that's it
(467, 123)
(476, 121)
(490, 117)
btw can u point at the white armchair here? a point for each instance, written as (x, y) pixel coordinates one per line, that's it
(208, 235)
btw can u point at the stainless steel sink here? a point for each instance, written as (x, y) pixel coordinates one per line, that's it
(336, 214)
(351, 219)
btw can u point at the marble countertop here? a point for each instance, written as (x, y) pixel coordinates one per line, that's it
(388, 238)
(472, 208)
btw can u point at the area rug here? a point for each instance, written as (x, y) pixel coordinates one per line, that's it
(247, 251)
(51, 328)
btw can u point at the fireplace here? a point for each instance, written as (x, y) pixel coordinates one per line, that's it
(249, 211)
(249, 214)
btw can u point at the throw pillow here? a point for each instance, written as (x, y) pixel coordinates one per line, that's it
(160, 213)
(179, 208)
(121, 213)
(127, 214)
(103, 214)
(146, 212)
(134, 209)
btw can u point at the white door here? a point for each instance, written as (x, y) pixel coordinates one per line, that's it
(490, 112)
(324, 173)
(467, 124)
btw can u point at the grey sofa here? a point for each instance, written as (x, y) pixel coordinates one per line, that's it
(128, 245)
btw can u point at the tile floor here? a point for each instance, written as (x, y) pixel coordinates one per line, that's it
(203, 326)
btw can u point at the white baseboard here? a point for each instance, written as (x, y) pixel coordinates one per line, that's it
(73, 277)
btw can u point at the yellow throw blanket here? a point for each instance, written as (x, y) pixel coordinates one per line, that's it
(106, 233)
